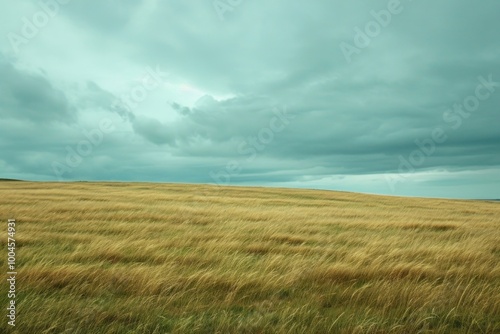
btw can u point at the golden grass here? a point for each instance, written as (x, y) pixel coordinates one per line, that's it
(170, 258)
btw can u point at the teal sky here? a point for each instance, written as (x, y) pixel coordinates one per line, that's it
(388, 97)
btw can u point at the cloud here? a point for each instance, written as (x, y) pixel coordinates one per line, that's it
(32, 97)
(153, 130)
(350, 123)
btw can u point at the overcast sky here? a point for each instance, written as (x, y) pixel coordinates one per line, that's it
(388, 97)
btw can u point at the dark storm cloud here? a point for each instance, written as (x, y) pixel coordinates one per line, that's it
(351, 122)
(31, 97)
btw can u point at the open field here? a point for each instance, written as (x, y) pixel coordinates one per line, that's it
(163, 258)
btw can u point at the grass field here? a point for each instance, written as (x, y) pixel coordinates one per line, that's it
(163, 258)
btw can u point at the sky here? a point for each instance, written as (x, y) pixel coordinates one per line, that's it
(387, 97)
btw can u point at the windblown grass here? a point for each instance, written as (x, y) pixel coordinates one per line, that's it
(163, 258)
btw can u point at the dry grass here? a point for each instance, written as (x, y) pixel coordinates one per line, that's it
(161, 258)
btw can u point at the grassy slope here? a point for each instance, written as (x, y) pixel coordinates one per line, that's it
(152, 258)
